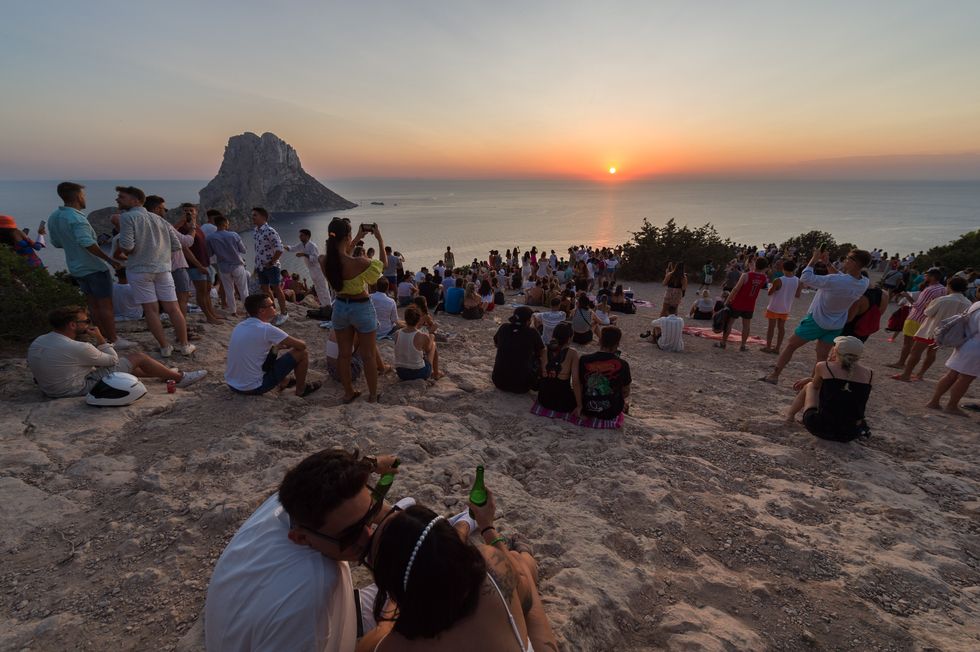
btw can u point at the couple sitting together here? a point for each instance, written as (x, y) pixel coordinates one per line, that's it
(284, 581)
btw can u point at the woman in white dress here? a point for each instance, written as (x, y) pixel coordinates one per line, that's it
(963, 365)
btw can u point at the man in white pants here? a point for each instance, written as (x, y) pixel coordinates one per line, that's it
(311, 256)
(227, 248)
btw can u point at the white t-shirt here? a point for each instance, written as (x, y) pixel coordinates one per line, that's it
(61, 365)
(387, 312)
(781, 301)
(250, 343)
(269, 594)
(405, 289)
(671, 333)
(124, 305)
(312, 258)
(835, 294)
(548, 322)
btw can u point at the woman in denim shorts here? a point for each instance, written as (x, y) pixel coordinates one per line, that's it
(353, 316)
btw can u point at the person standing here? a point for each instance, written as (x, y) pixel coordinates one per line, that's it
(449, 258)
(933, 289)
(310, 255)
(963, 365)
(70, 230)
(782, 293)
(268, 250)
(830, 307)
(227, 248)
(742, 300)
(146, 243)
(179, 259)
(939, 309)
(200, 273)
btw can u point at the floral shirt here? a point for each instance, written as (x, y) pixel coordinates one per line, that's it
(267, 243)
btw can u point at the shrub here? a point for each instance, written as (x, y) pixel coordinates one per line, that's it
(645, 257)
(959, 254)
(805, 243)
(27, 294)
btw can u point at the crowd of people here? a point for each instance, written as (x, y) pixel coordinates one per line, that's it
(284, 580)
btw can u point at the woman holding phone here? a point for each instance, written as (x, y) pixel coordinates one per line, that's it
(354, 317)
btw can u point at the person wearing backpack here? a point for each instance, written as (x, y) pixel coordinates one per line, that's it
(963, 365)
(954, 303)
(864, 318)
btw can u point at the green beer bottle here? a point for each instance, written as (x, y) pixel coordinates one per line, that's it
(478, 494)
(384, 483)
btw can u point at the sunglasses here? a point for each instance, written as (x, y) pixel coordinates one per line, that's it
(366, 560)
(351, 533)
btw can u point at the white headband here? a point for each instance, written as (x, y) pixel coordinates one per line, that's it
(418, 544)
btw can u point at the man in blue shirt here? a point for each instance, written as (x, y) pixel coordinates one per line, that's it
(70, 230)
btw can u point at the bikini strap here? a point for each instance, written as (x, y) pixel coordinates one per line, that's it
(830, 371)
(510, 615)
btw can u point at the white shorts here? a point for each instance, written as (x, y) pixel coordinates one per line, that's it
(150, 288)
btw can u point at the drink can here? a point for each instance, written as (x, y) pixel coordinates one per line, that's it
(171, 386)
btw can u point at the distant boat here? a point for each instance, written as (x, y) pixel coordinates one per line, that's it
(377, 203)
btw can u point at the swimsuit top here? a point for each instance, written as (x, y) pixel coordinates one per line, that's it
(355, 286)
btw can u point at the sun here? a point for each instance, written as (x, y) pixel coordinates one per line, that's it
(612, 170)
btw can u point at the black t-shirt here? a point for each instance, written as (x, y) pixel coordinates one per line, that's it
(518, 348)
(603, 376)
(430, 291)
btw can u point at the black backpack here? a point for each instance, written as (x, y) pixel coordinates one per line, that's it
(323, 313)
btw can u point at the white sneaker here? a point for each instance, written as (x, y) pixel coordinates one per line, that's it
(186, 349)
(166, 351)
(122, 343)
(464, 516)
(191, 377)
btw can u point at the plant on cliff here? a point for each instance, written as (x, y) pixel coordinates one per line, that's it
(959, 254)
(27, 295)
(645, 257)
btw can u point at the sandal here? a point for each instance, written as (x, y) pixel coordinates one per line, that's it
(310, 388)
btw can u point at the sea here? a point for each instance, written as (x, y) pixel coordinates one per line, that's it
(420, 217)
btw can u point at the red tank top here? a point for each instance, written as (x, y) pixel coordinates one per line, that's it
(749, 292)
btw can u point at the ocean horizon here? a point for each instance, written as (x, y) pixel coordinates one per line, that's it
(420, 217)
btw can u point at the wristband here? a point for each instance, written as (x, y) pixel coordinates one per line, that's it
(484, 530)
(497, 540)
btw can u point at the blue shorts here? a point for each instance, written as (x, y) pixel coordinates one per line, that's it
(280, 370)
(97, 284)
(359, 315)
(198, 275)
(182, 280)
(809, 331)
(414, 374)
(270, 276)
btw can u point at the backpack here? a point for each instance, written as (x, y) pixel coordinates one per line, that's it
(953, 331)
(870, 320)
(499, 298)
(323, 313)
(720, 319)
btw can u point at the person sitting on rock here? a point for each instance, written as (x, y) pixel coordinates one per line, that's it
(252, 366)
(284, 580)
(416, 357)
(601, 382)
(66, 365)
(520, 353)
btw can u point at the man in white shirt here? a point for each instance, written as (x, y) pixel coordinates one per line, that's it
(385, 306)
(548, 320)
(64, 366)
(253, 368)
(668, 331)
(284, 581)
(825, 320)
(311, 256)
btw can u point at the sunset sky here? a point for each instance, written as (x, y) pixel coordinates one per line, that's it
(493, 89)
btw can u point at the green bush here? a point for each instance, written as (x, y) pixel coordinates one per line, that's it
(961, 253)
(805, 243)
(645, 257)
(27, 294)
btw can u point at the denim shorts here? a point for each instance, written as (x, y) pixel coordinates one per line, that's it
(270, 276)
(197, 275)
(359, 315)
(280, 370)
(182, 280)
(414, 374)
(96, 284)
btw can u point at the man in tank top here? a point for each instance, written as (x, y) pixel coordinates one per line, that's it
(782, 293)
(741, 301)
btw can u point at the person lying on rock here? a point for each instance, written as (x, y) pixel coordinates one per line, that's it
(284, 580)
(75, 356)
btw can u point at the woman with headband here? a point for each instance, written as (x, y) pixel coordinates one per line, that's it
(448, 594)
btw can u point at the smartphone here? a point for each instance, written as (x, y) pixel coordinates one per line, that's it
(40, 227)
(367, 228)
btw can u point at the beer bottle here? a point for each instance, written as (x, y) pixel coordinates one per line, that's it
(478, 494)
(384, 483)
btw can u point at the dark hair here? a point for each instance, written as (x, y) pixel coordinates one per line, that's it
(381, 285)
(187, 204)
(152, 201)
(522, 315)
(485, 288)
(422, 304)
(412, 315)
(609, 337)
(957, 284)
(61, 317)
(213, 213)
(560, 336)
(308, 233)
(68, 190)
(460, 281)
(555, 302)
(677, 274)
(133, 192)
(445, 578)
(789, 265)
(261, 211)
(320, 483)
(219, 219)
(338, 230)
(761, 263)
(861, 256)
(672, 308)
(253, 303)
(583, 301)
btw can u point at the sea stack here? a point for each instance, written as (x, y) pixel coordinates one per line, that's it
(265, 171)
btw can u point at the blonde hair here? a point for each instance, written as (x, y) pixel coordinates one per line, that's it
(847, 360)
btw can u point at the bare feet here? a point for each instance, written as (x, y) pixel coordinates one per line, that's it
(896, 365)
(900, 377)
(934, 405)
(772, 380)
(955, 410)
(437, 375)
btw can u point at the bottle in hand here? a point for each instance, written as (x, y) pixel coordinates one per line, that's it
(478, 494)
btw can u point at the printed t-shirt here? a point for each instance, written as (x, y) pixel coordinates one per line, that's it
(603, 376)
(249, 345)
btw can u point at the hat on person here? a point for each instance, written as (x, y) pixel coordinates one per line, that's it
(522, 315)
(7, 222)
(847, 345)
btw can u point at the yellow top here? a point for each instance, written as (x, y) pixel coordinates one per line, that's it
(355, 286)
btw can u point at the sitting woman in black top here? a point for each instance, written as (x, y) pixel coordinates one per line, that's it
(833, 401)
(520, 353)
(618, 302)
(555, 396)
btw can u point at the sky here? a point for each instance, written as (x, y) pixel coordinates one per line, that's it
(423, 89)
